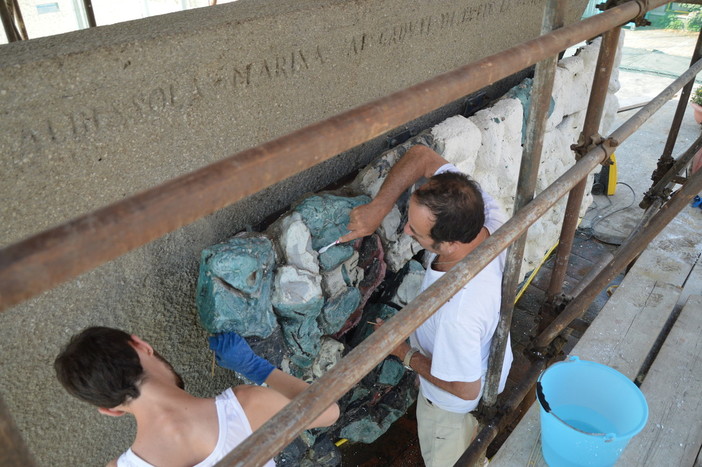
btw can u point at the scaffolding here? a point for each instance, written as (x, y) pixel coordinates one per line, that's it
(47, 259)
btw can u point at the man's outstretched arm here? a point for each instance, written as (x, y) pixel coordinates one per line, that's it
(419, 161)
(260, 403)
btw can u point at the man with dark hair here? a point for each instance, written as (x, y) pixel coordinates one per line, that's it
(449, 216)
(120, 373)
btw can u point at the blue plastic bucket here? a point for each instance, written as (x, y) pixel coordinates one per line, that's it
(589, 412)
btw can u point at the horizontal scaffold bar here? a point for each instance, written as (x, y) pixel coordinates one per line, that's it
(47, 259)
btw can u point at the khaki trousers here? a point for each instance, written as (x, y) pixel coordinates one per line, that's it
(443, 436)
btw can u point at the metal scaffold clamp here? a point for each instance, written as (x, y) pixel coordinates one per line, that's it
(585, 145)
(640, 20)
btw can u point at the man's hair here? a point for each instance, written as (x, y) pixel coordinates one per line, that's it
(457, 206)
(100, 366)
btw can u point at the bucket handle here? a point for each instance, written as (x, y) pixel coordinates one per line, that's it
(609, 437)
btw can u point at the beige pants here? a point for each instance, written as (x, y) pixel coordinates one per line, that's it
(443, 436)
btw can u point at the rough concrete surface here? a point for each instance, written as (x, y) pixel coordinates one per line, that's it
(90, 117)
(156, 98)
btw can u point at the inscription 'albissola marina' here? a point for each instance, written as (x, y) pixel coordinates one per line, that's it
(209, 86)
(213, 85)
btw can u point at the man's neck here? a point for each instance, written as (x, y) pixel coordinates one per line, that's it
(173, 427)
(446, 260)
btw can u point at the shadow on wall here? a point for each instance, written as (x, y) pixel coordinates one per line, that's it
(303, 310)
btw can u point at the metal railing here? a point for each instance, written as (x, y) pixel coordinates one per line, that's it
(47, 259)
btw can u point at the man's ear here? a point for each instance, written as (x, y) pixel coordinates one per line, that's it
(111, 412)
(140, 344)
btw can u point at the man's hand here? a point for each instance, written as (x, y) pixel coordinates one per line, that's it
(233, 352)
(364, 221)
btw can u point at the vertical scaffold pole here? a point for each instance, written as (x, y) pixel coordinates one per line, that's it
(666, 160)
(600, 83)
(541, 92)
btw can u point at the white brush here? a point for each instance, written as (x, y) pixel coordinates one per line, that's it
(325, 248)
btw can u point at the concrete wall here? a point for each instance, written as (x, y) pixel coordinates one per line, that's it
(90, 117)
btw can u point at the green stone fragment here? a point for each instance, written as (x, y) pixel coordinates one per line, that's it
(391, 372)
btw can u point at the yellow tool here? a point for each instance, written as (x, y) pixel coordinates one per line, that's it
(606, 180)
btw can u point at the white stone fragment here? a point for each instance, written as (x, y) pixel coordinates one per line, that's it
(398, 253)
(334, 283)
(295, 286)
(371, 178)
(461, 140)
(390, 226)
(354, 273)
(409, 288)
(330, 353)
(497, 166)
(296, 242)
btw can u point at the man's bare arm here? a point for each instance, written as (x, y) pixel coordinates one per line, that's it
(260, 403)
(422, 366)
(419, 161)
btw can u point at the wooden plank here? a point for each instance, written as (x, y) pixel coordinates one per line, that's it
(523, 447)
(673, 389)
(628, 326)
(675, 251)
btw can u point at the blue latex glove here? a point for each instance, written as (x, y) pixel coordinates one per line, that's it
(233, 352)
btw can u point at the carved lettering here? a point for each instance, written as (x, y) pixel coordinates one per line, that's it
(237, 77)
(30, 142)
(242, 78)
(280, 66)
(158, 100)
(425, 25)
(109, 118)
(447, 19)
(83, 124)
(54, 135)
(358, 44)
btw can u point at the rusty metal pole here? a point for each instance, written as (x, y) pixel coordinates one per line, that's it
(47, 259)
(13, 450)
(12, 21)
(666, 160)
(661, 187)
(624, 255)
(600, 83)
(89, 13)
(284, 426)
(541, 92)
(619, 135)
(490, 430)
(629, 250)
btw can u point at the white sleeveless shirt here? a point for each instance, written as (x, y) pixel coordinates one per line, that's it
(234, 428)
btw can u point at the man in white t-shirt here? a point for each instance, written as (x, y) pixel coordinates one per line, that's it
(120, 373)
(449, 216)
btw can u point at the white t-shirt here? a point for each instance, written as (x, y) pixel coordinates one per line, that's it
(458, 336)
(234, 428)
